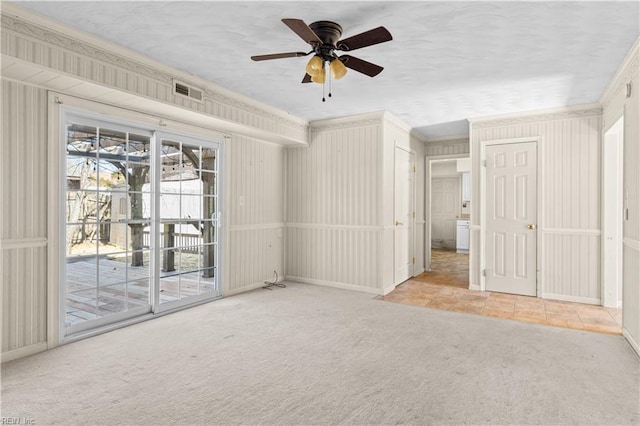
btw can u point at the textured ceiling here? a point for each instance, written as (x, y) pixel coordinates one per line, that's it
(448, 61)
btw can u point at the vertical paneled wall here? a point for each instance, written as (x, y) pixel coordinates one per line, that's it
(569, 198)
(256, 173)
(616, 104)
(447, 147)
(332, 206)
(23, 223)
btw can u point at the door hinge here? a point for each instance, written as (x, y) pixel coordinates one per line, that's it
(484, 272)
(414, 169)
(414, 215)
(484, 163)
(414, 260)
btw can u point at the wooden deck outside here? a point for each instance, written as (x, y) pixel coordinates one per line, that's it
(124, 287)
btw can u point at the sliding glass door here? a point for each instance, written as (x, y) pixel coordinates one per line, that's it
(141, 212)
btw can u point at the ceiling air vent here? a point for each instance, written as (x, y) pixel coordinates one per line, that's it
(186, 90)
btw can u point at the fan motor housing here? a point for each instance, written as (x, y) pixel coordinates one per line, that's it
(327, 31)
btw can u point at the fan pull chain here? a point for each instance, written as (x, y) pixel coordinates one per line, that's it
(323, 83)
(329, 81)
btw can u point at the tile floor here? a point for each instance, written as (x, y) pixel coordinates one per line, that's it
(446, 288)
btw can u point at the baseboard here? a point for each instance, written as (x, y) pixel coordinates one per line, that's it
(388, 289)
(418, 272)
(335, 284)
(577, 299)
(246, 288)
(631, 341)
(23, 352)
(474, 287)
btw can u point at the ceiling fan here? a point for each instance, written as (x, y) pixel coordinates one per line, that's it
(324, 38)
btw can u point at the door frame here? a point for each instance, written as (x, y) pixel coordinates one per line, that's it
(61, 105)
(483, 207)
(412, 191)
(612, 178)
(427, 200)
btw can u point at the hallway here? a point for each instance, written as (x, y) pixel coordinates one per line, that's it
(445, 288)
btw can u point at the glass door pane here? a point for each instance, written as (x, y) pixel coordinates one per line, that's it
(187, 212)
(107, 214)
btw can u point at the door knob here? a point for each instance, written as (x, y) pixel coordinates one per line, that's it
(398, 223)
(531, 226)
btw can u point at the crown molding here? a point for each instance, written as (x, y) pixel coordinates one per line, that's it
(413, 133)
(34, 27)
(623, 75)
(576, 111)
(54, 38)
(396, 122)
(351, 121)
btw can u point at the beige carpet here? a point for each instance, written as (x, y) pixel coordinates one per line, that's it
(312, 355)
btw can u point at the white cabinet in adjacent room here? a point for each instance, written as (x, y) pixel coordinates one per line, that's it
(462, 236)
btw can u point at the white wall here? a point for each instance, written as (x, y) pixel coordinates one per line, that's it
(568, 196)
(340, 203)
(35, 63)
(333, 205)
(23, 220)
(616, 104)
(256, 243)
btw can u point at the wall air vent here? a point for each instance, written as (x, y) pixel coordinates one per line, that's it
(183, 89)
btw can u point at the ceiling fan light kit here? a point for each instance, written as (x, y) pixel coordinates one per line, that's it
(324, 39)
(314, 66)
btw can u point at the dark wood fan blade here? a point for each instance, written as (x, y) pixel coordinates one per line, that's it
(306, 79)
(360, 65)
(278, 56)
(367, 38)
(299, 27)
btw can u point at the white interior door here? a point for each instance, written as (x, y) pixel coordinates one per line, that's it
(445, 194)
(511, 218)
(403, 212)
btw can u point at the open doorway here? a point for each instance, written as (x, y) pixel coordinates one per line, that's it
(449, 206)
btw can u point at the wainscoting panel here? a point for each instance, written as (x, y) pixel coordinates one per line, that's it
(339, 256)
(24, 278)
(631, 292)
(570, 265)
(255, 254)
